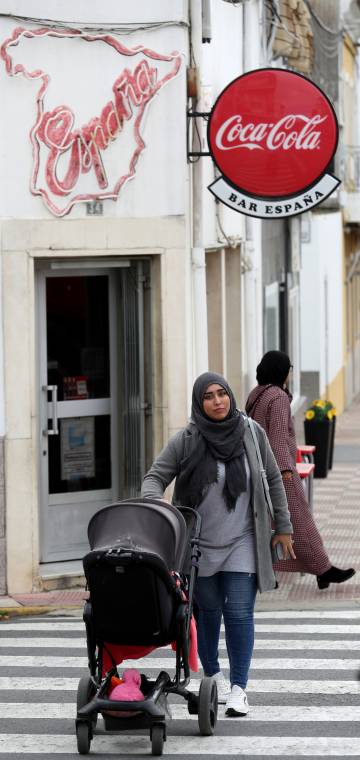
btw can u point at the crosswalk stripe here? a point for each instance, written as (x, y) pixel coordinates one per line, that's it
(260, 627)
(70, 623)
(32, 683)
(256, 686)
(124, 745)
(284, 644)
(272, 713)
(42, 627)
(319, 614)
(284, 663)
(280, 713)
(263, 664)
(302, 628)
(44, 643)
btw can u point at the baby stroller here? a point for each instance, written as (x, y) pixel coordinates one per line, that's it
(140, 573)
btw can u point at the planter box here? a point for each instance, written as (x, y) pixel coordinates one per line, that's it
(319, 434)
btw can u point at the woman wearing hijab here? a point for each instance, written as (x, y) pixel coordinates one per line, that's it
(215, 465)
(269, 405)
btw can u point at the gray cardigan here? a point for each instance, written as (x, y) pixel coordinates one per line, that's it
(167, 465)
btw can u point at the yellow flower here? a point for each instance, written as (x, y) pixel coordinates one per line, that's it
(309, 415)
(320, 404)
(329, 415)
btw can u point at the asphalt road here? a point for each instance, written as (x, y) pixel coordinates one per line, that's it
(303, 691)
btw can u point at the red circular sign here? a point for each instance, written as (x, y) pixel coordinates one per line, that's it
(272, 133)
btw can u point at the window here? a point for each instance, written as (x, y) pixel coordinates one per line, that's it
(271, 317)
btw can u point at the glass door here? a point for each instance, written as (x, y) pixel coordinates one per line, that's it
(78, 437)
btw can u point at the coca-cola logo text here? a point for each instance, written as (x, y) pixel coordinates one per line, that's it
(272, 133)
(292, 131)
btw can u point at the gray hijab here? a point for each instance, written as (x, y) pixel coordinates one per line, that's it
(221, 440)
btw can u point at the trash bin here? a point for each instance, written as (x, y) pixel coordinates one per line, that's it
(319, 434)
(332, 442)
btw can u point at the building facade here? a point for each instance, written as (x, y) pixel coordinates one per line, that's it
(121, 276)
(96, 272)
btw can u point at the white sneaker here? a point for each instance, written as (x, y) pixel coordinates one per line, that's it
(237, 703)
(223, 687)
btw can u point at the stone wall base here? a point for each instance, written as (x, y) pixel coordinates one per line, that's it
(3, 588)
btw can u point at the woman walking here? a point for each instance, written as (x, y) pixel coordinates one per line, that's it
(269, 405)
(215, 465)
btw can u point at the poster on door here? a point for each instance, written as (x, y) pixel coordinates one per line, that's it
(77, 441)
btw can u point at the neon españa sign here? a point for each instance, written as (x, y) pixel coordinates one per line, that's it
(63, 152)
(272, 134)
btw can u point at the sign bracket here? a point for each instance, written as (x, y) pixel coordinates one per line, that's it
(195, 154)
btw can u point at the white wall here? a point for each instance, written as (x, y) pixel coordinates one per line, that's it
(98, 13)
(2, 399)
(82, 75)
(311, 308)
(321, 315)
(222, 62)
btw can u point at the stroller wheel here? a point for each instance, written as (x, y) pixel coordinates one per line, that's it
(157, 739)
(85, 693)
(83, 738)
(208, 706)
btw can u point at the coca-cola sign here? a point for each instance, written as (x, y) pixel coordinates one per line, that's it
(272, 134)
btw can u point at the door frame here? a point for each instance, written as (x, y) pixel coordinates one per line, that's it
(62, 269)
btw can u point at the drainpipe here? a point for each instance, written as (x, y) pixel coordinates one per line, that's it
(252, 313)
(198, 263)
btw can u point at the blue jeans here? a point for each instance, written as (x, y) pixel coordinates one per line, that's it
(231, 595)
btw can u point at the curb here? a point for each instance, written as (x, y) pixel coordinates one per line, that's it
(22, 611)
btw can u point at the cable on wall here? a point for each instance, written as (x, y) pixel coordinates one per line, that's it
(130, 28)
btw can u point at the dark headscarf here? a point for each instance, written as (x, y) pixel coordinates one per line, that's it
(220, 440)
(273, 368)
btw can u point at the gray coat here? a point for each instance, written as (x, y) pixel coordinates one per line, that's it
(167, 465)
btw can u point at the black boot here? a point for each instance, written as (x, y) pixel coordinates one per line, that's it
(334, 575)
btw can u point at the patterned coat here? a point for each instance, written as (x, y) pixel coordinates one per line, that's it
(269, 405)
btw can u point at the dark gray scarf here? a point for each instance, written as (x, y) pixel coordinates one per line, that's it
(215, 441)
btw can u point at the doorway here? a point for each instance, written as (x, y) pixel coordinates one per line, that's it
(92, 401)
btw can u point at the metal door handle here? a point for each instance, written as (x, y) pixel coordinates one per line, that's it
(53, 389)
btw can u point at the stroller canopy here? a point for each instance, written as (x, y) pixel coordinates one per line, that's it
(146, 525)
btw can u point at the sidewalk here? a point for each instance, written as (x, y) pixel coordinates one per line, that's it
(336, 511)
